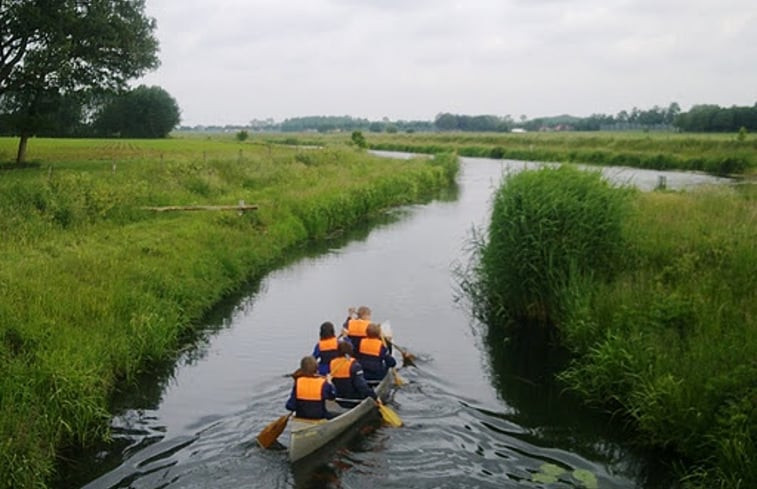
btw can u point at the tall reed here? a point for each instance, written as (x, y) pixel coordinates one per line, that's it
(549, 228)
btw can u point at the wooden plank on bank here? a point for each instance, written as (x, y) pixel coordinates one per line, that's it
(173, 208)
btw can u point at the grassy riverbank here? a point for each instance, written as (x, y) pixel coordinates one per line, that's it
(93, 288)
(664, 332)
(717, 154)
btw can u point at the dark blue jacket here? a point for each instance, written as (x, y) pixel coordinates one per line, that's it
(376, 366)
(313, 409)
(355, 387)
(324, 358)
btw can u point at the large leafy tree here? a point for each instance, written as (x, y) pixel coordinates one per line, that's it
(145, 112)
(61, 50)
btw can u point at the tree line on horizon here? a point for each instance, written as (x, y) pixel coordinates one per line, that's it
(700, 118)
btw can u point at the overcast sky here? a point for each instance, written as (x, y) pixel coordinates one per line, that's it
(231, 61)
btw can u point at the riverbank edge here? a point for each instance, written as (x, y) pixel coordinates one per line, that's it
(37, 434)
(627, 335)
(719, 166)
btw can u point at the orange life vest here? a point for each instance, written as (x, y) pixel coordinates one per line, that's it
(329, 344)
(371, 347)
(358, 328)
(340, 367)
(310, 388)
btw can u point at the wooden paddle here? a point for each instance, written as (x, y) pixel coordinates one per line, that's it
(398, 381)
(408, 359)
(388, 414)
(271, 432)
(295, 375)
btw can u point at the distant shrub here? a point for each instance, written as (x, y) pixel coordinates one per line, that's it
(358, 139)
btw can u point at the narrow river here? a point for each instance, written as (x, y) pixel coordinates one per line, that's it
(473, 416)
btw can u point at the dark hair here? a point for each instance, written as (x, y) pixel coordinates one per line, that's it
(327, 330)
(373, 331)
(308, 365)
(345, 348)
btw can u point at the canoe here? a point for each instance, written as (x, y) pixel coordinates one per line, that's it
(308, 435)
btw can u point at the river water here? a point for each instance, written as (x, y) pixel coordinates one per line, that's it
(475, 416)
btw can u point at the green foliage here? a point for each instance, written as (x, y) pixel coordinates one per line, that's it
(98, 45)
(549, 228)
(713, 118)
(144, 112)
(663, 336)
(550, 473)
(358, 139)
(671, 342)
(67, 50)
(93, 288)
(456, 122)
(242, 136)
(324, 124)
(712, 154)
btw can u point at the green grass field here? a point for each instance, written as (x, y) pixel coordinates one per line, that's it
(93, 288)
(712, 153)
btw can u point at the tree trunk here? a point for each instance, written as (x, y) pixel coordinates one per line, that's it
(21, 155)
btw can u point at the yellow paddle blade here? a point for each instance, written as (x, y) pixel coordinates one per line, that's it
(272, 431)
(389, 416)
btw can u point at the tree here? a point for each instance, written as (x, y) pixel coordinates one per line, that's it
(145, 112)
(55, 50)
(446, 122)
(376, 126)
(673, 110)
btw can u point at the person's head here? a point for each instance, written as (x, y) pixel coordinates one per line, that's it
(327, 330)
(364, 312)
(373, 331)
(308, 365)
(345, 348)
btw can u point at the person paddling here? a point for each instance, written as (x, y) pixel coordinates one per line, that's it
(310, 391)
(326, 348)
(373, 355)
(356, 325)
(347, 376)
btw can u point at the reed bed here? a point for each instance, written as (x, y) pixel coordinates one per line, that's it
(654, 295)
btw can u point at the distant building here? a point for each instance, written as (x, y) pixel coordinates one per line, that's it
(518, 130)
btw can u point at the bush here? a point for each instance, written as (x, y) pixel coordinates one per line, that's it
(358, 139)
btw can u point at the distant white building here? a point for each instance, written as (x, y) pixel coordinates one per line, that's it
(518, 130)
